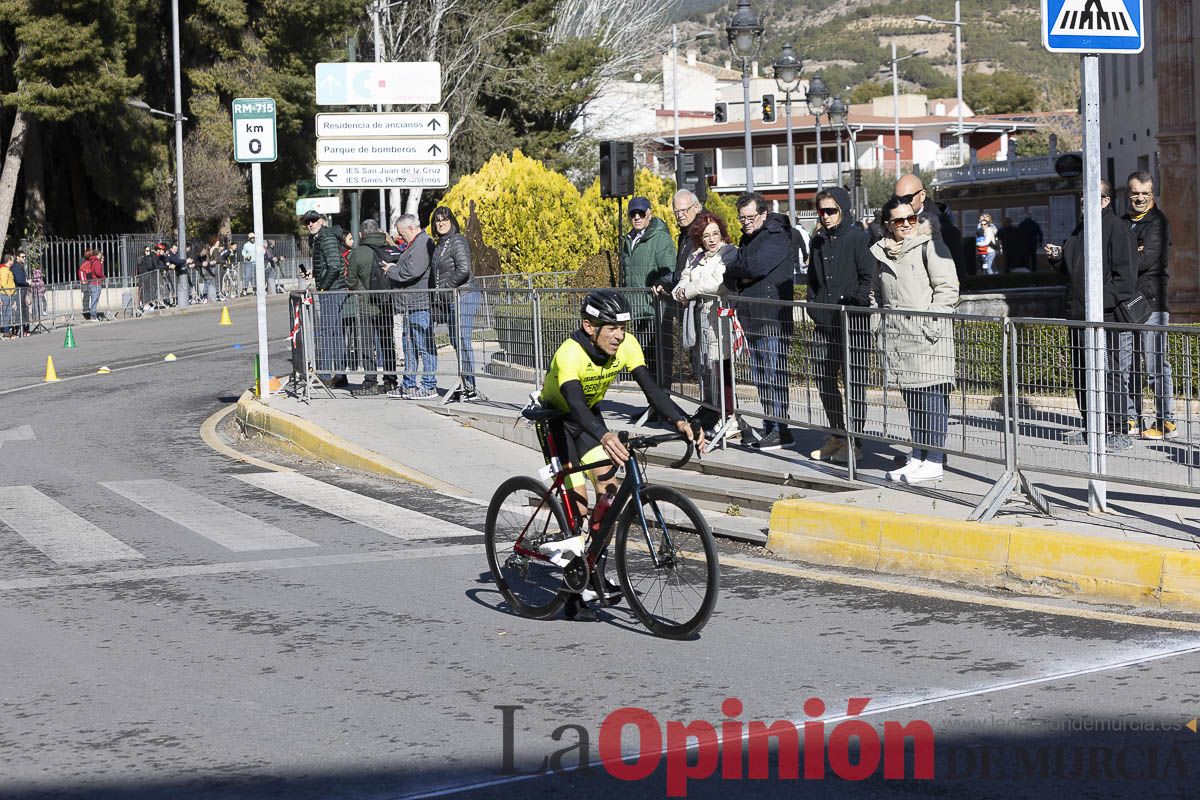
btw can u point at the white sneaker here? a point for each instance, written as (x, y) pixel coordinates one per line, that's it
(925, 471)
(898, 474)
(562, 551)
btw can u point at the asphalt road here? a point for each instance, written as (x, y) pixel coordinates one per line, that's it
(174, 623)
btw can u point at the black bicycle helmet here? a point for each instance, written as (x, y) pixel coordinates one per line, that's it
(605, 307)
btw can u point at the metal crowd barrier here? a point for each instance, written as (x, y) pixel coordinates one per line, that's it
(988, 389)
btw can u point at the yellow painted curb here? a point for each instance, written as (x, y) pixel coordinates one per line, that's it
(305, 438)
(1027, 560)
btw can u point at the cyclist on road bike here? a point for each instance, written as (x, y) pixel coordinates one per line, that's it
(583, 368)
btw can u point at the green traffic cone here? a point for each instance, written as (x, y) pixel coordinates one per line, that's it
(69, 340)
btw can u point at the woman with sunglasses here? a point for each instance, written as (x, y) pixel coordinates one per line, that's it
(918, 350)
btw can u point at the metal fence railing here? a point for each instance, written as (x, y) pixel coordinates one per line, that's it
(996, 390)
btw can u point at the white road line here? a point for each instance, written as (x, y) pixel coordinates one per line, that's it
(239, 567)
(396, 521)
(60, 533)
(231, 529)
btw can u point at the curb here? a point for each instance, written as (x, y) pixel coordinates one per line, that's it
(304, 438)
(1024, 560)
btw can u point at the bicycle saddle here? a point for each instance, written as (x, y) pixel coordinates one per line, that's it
(541, 413)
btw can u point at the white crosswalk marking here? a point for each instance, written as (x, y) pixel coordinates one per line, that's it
(61, 534)
(395, 521)
(231, 529)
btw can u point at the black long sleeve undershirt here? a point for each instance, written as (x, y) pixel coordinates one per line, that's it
(572, 392)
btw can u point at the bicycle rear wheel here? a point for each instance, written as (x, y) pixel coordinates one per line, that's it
(668, 567)
(523, 510)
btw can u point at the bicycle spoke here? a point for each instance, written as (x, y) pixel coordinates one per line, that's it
(521, 512)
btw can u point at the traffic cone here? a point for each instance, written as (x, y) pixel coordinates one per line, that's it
(169, 357)
(225, 316)
(51, 375)
(104, 371)
(69, 339)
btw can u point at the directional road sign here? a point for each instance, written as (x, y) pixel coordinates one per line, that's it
(1093, 26)
(253, 129)
(377, 83)
(372, 176)
(408, 123)
(382, 151)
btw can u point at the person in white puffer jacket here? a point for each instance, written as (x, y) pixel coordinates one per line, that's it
(700, 282)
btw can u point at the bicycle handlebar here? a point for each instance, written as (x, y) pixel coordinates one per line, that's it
(662, 438)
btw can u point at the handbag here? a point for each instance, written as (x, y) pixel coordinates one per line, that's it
(1134, 311)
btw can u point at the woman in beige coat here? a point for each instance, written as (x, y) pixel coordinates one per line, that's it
(918, 350)
(699, 282)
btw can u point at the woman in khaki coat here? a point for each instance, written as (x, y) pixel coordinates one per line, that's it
(918, 350)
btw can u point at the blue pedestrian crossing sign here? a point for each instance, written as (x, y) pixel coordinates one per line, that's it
(1093, 26)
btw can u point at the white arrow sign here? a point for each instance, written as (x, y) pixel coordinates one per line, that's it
(376, 83)
(382, 176)
(409, 123)
(382, 151)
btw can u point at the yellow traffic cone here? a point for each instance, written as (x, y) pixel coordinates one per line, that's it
(104, 371)
(169, 357)
(51, 375)
(225, 316)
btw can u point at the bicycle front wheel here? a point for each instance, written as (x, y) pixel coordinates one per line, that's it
(667, 563)
(522, 516)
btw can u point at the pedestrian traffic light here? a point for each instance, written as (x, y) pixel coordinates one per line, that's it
(768, 108)
(720, 114)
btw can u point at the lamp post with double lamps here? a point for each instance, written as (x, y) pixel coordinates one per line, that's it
(745, 32)
(896, 96)
(675, 42)
(837, 118)
(815, 98)
(958, 26)
(787, 78)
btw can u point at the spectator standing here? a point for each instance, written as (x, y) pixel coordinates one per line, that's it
(376, 341)
(452, 269)
(248, 264)
(1119, 275)
(360, 263)
(412, 270)
(1010, 244)
(37, 285)
(985, 242)
(271, 265)
(176, 262)
(700, 282)
(914, 275)
(947, 238)
(91, 279)
(648, 260)
(147, 279)
(842, 273)
(1152, 238)
(330, 282)
(20, 274)
(1031, 240)
(8, 296)
(764, 270)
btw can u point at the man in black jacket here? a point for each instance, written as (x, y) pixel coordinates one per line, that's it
(330, 278)
(764, 271)
(1152, 236)
(1119, 279)
(947, 239)
(412, 271)
(841, 273)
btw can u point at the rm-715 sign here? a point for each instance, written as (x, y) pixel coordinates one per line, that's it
(254, 129)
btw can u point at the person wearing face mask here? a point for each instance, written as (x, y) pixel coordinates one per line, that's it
(918, 350)
(1152, 235)
(841, 273)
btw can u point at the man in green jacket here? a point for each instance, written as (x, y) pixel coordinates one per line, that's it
(648, 259)
(330, 280)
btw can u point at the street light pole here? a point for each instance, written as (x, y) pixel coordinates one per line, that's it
(958, 26)
(745, 32)
(787, 78)
(896, 97)
(837, 118)
(378, 9)
(181, 281)
(815, 99)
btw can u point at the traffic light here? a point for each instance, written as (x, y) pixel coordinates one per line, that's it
(690, 173)
(857, 175)
(720, 114)
(768, 108)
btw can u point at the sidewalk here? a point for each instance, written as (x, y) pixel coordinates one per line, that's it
(1147, 552)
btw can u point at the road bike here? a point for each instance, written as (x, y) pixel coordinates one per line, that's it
(665, 555)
